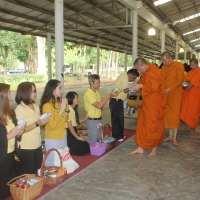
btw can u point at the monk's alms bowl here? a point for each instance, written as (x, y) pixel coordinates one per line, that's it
(185, 84)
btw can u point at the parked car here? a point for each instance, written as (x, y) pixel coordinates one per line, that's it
(1, 71)
(89, 71)
(12, 71)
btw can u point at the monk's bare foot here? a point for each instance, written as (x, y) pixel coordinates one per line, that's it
(153, 152)
(187, 128)
(138, 150)
(167, 139)
(174, 142)
(192, 130)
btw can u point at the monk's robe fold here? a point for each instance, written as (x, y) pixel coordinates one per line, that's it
(191, 100)
(150, 125)
(173, 77)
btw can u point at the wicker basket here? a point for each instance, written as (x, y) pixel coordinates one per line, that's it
(52, 181)
(25, 194)
(109, 145)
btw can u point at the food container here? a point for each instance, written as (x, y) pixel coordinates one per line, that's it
(185, 84)
(97, 149)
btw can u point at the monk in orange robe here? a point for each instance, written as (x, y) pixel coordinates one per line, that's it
(191, 97)
(173, 74)
(151, 116)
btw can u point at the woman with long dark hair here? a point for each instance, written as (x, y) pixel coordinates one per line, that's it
(55, 130)
(30, 154)
(76, 143)
(8, 132)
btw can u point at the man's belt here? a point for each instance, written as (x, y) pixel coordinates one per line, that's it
(94, 118)
(115, 99)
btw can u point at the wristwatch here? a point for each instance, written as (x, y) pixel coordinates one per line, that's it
(36, 124)
(67, 111)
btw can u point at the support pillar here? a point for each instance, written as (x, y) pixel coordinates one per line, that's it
(176, 51)
(49, 55)
(134, 34)
(98, 54)
(125, 61)
(59, 41)
(185, 59)
(162, 32)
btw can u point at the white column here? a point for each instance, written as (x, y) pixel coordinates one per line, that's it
(125, 61)
(191, 54)
(49, 55)
(134, 34)
(162, 32)
(176, 51)
(59, 41)
(185, 51)
(98, 54)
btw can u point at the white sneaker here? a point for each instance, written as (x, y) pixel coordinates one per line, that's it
(120, 140)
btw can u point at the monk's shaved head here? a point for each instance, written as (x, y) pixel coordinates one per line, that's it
(166, 54)
(140, 61)
(141, 65)
(166, 58)
(194, 60)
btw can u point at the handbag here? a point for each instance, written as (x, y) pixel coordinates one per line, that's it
(137, 103)
(67, 161)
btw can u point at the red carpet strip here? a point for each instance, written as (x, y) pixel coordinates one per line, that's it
(84, 161)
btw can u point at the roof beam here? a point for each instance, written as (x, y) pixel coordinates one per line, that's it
(8, 12)
(145, 14)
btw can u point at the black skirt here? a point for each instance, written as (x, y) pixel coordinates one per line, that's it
(77, 147)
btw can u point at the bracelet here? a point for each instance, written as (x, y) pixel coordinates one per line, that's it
(67, 111)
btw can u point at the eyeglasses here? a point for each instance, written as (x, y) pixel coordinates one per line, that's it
(34, 91)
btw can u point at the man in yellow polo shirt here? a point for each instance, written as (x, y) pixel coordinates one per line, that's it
(93, 105)
(116, 104)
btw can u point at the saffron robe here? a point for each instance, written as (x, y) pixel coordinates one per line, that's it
(173, 77)
(191, 100)
(151, 121)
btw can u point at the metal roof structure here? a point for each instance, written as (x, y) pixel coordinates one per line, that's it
(108, 22)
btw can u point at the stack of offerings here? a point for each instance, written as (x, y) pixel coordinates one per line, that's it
(25, 187)
(97, 149)
(108, 139)
(52, 175)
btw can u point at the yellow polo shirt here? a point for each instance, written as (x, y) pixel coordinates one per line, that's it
(89, 98)
(11, 142)
(121, 82)
(31, 139)
(71, 117)
(56, 128)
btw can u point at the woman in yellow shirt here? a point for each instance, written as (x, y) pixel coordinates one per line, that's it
(76, 143)
(30, 154)
(8, 132)
(55, 130)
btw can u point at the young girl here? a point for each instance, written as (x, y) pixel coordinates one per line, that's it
(55, 130)
(77, 144)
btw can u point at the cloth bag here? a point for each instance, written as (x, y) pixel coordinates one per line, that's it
(68, 162)
(137, 103)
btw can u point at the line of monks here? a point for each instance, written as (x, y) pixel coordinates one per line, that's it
(165, 101)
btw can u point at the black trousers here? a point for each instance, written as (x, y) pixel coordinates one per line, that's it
(7, 172)
(117, 117)
(30, 160)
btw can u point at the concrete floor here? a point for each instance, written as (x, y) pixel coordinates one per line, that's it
(174, 174)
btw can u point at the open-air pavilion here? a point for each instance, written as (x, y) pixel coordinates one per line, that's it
(121, 25)
(118, 25)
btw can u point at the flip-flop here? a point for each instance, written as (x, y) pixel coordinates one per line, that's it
(175, 143)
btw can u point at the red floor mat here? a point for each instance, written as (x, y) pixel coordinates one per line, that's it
(83, 162)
